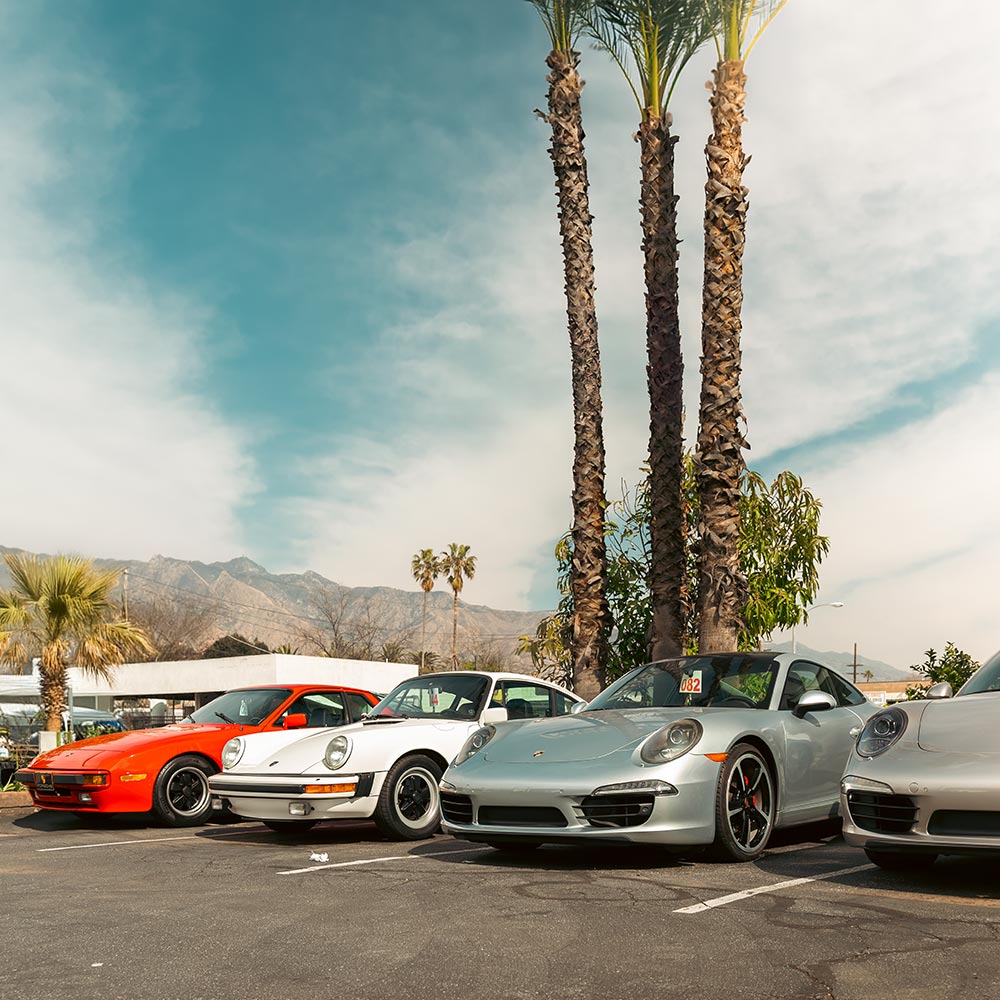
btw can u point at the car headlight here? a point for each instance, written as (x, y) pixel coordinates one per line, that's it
(881, 731)
(337, 752)
(232, 752)
(475, 743)
(671, 741)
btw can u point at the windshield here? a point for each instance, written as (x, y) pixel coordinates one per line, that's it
(733, 680)
(246, 708)
(986, 678)
(443, 696)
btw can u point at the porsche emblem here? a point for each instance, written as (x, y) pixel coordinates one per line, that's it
(538, 753)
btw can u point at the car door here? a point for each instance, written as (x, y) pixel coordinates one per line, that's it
(816, 746)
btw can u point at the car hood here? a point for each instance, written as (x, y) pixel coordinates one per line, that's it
(966, 724)
(586, 736)
(112, 746)
(292, 753)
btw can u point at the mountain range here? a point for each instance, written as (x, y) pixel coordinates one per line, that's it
(192, 603)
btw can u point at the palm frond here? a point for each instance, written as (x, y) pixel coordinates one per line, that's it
(563, 20)
(651, 41)
(738, 24)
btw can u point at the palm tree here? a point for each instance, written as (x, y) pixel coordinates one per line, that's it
(720, 464)
(60, 609)
(426, 569)
(564, 21)
(457, 565)
(652, 41)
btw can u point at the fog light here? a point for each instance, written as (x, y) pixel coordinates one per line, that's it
(856, 783)
(652, 786)
(85, 797)
(299, 808)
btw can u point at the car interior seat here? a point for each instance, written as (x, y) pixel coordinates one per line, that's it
(794, 689)
(518, 708)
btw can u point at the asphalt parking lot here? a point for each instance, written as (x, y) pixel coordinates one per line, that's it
(122, 908)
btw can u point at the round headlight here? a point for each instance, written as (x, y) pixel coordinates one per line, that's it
(337, 751)
(475, 743)
(881, 731)
(232, 752)
(671, 741)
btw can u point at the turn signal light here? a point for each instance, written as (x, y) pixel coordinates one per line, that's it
(717, 757)
(348, 786)
(95, 779)
(133, 777)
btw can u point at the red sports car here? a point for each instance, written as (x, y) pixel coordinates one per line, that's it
(166, 770)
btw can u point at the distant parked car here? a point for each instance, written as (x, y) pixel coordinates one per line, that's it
(720, 750)
(388, 767)
(166, 770)
(924, 777)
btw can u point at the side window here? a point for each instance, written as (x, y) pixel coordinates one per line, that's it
(358, 705)
(847, 693)
(526, 701)
(321, 709)
(563, 704)
(805, 676)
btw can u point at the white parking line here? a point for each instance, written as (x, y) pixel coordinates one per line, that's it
(734, 897)
(151, 840)
(373, 861)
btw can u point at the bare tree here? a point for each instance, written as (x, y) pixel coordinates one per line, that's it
(178, 629)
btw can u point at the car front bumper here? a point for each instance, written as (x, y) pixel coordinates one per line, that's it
(73, 791)
(291, 798)
(930, 802)
(557, 804)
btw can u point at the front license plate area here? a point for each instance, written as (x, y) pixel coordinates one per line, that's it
(44, 782)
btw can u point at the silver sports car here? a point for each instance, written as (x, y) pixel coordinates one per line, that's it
(924, 778)
(717, 749)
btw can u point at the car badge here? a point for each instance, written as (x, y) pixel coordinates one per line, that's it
(538, 753)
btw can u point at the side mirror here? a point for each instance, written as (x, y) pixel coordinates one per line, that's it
(938, 691)
(296, 720)
(494, 715)
(813, 701)
(578, 707)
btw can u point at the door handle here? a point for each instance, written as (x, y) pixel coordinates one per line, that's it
(854, 732)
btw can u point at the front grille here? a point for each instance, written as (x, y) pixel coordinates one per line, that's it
(964, 823)
(882, 813)
(617, 810)
(456, 808)
(521, 816)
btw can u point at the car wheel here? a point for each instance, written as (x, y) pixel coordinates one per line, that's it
(515, 847)
(409, 805)
(180, 795)
(744, 805)
(900, 861)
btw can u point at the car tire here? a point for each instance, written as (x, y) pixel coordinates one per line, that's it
(409, 805)
(180, 795)
(901, 861)
(289, 827)
(515, 847)
(745, 802)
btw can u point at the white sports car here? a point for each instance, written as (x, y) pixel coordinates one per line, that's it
(386, 768)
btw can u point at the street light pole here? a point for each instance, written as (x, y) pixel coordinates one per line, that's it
(832, 604)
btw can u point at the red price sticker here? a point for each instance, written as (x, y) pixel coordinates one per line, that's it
(692, 684)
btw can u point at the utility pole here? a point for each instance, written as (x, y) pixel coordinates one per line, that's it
(125, 594)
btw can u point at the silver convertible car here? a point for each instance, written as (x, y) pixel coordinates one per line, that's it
(699, 750)
(924, 778)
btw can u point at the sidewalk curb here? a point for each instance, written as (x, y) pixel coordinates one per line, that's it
(15, 800)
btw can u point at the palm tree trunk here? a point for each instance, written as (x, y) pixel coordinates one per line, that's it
(720, 465)
(665, 377)
(588, 577)
(454, 633)
(52, 687)
(423, 633)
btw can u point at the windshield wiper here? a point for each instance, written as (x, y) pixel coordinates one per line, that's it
(225, 718)
(386, 717)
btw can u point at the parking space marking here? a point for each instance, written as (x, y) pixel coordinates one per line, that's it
(150, 840)
(734, 897)
(372, 861)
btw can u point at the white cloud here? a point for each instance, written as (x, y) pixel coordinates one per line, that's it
(868, 268)
(111, 448)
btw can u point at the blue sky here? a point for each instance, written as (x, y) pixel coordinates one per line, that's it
(284, 281)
